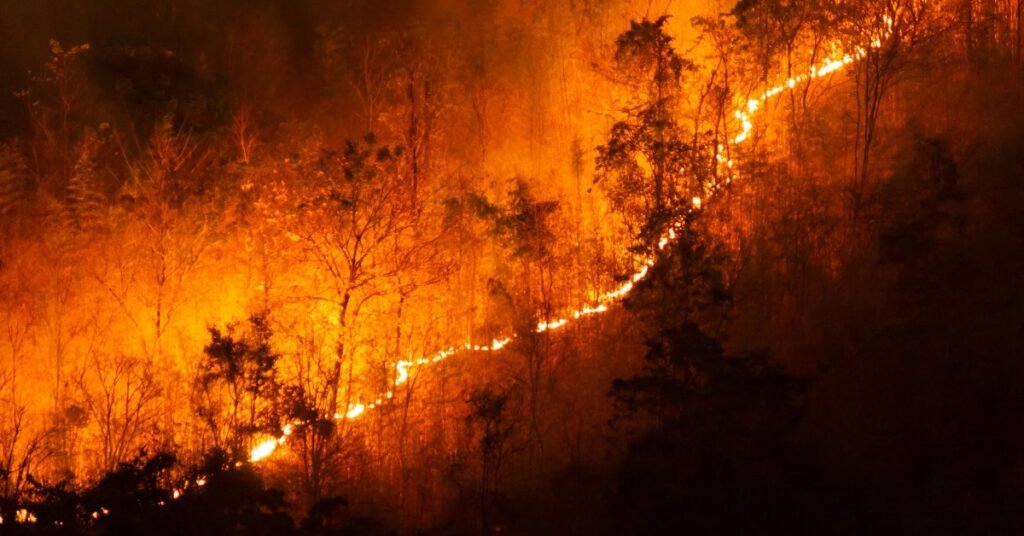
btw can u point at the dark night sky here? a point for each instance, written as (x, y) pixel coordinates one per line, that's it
(199, 32)
(192, 28)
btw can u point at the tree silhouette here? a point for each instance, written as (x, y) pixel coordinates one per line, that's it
(240, 369)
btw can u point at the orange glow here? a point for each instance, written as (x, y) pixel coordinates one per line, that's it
(744, 115)
(24, 516)
(261, 451)
(355, 410)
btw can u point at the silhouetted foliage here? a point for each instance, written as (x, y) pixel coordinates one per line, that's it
(652, 166)
(789, 301)
(154, 494)
(244, 368)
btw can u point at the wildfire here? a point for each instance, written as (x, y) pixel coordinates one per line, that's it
(264, 449)
(832, 65)
(744, 115)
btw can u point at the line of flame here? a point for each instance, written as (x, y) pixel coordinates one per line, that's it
(744, 115)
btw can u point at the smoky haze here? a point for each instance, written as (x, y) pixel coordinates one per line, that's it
(324, 267)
